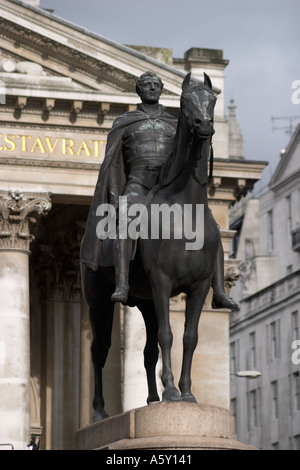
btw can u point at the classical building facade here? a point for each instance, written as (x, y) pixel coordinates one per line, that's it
(61, 87)
(265, 332)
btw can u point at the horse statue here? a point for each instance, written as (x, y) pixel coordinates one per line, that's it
(163, 268)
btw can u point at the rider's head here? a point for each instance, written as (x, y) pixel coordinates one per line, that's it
(149, 87)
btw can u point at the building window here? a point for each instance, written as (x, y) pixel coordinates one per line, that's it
(270, 232)
(274, 386)
(295, 326)
(296, 378)
(233, 410)
(252, 338)
(274, 340)
(289, 216)
(234, 362)
(297, 442)
(289, 269)
(253, 409)
(249, 249)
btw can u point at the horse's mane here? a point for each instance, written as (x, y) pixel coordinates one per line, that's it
(164, 171)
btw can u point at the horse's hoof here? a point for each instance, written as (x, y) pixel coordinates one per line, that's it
(154, 399)
(188, 397)
(99, 416)
(153, 402)
(171, 395)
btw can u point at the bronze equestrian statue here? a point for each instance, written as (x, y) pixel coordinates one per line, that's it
(152, 159)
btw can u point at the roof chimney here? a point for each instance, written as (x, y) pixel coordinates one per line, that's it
(33, 3)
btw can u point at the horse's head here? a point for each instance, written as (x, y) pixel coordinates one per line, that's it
(197, 106)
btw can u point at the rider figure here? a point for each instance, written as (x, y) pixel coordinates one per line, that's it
(146, 144)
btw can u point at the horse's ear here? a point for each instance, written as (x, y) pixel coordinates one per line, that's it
(207, 81)
(186, 81)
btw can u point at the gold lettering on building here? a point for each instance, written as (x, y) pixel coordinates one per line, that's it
(96, 146)
(38, 144)
(8, 140)
(58, 146)
(84, 146)
(24, 142)
(67, 146)
(50, 146)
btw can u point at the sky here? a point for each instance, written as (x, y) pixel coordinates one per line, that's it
(260, 38)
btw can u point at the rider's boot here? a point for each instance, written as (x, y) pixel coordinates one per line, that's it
(220, 298)
(122, 255)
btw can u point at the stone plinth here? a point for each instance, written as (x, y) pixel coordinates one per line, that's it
(167, 426)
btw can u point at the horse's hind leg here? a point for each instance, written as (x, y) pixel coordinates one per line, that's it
(97, 292)
(102, 328)
(151, 348)
(194, 305)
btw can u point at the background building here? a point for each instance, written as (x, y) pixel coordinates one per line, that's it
(265, 332)
(63, 87)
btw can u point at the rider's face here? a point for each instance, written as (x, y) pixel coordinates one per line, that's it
(150, 90)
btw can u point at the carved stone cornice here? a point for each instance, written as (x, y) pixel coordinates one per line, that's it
(18, 212)
(27, 162)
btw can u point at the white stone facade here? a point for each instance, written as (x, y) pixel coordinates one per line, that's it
(265, 333)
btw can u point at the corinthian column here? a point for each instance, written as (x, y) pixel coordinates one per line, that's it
(18, 212)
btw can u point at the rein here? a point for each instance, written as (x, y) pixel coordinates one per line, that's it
(211, 159)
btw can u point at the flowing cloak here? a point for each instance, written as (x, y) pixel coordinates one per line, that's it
(91, 246)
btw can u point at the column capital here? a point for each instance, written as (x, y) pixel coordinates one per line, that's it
(18, 212)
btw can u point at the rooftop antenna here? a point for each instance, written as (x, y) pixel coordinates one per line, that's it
(289, 127)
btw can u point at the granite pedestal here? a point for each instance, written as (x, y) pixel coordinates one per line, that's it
(167, 426)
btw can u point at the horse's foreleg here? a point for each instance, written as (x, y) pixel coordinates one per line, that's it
(151, 348)
(194, 305)
(161, 288)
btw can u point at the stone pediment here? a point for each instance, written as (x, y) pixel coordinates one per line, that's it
(288, 167)
(90, 61)
(17, 71)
